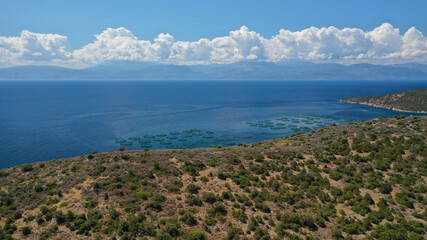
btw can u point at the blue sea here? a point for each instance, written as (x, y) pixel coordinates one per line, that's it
(45, 120)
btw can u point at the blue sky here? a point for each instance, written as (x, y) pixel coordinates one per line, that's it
(237, 31)
(190, 20)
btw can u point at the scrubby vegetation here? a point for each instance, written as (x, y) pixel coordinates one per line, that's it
(408, 101)
(365, 180)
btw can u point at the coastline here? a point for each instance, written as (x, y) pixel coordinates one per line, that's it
(380, 106)
(135, 185)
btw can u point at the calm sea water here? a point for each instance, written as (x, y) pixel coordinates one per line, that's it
(44, 120)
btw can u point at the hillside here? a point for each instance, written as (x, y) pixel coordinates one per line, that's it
(354, 181)
(408, 101)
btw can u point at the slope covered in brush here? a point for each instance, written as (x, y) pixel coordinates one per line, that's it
(365, 179)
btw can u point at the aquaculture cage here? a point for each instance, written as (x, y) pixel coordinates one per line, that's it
(146, 145)
(229, 143)
(208, 136)
(214, 145)
(134, 138)
(149, 136)
(219, 139)
(182, 140)
(203, 141)
(210, 132)
(188, 144)
(166, 142)
(126, 143)
(172, 137)
(196, 130)
(198, 134)
(161, 135)
(276, 128)
(144, 141)
(292, 126)
(187, 131)
(187, 135)
(159, 139)
(174, 133)
(120, 140)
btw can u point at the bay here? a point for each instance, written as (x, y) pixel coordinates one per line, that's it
(44, 120)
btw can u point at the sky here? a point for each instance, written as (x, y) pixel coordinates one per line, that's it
(83, 33)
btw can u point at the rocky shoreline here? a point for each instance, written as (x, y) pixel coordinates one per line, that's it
(380, 106)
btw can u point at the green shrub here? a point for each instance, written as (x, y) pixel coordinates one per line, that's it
(197, 235)
(210, 221)
(193, 200)
(240, 215)
(233, 233)
(194, 189)
(27, 168)
(60, 217)
(154, 205)
(38, 187)
(172, 227)
(213, 162)
(26, 230)
(209, 197)
(385, 188)
(189, 219)
(218, 208)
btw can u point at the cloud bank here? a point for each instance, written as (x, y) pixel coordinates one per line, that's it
(384, 44)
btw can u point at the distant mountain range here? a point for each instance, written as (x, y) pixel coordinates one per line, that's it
(238, 71)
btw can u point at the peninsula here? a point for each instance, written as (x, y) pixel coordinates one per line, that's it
(409, 101)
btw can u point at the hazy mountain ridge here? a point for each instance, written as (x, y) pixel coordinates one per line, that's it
(124, 70)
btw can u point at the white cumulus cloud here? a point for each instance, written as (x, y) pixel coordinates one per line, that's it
(30, 47)
(414, 45)
(384, 44)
